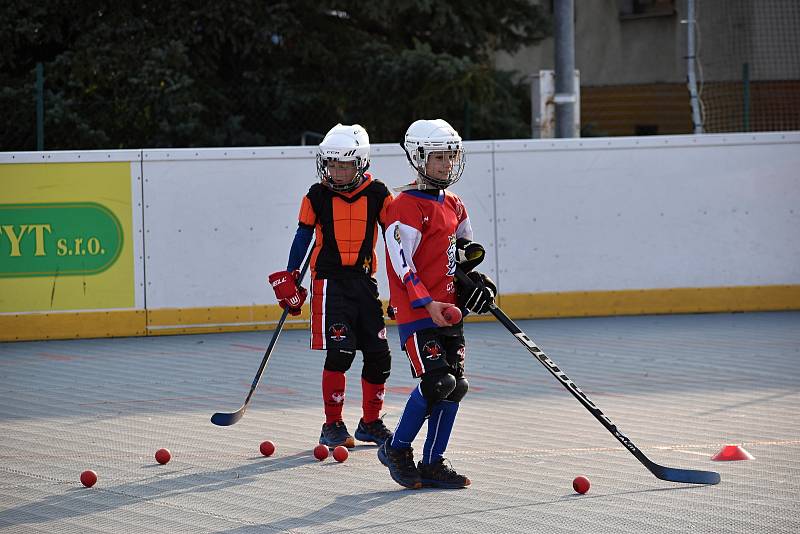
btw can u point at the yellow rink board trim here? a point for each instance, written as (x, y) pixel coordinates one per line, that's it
(117, 323)
(167, 321)
(652, 301)
(72, 325)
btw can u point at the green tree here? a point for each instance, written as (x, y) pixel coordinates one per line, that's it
(139, 74)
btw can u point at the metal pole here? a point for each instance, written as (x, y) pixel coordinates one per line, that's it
(564, 34)
(39, 107)
(690, 66)
(536, 126)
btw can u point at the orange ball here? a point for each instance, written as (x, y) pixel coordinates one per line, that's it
(163, 456)
(581, 484)
(267, 448)
(452, 314)
(88, 478)
(340, 454)
(320, 452)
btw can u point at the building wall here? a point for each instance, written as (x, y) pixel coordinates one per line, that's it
(633, 68)
(610, 50)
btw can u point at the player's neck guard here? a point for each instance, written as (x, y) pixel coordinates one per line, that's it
(418, 185)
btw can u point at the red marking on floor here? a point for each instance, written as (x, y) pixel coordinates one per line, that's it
(56, 357)
(400, 389)
(160, 399)
(496, 379)
(280, 390)
(24, 359)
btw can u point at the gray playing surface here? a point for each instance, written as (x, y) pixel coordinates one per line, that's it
(679, 386)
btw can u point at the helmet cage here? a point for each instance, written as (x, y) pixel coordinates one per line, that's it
(345, 144)
(324, 174)
(428, 136)
(418, 158)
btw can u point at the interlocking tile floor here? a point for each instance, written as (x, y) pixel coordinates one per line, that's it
(680, 387)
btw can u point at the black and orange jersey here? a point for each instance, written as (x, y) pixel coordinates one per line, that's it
(345, 228)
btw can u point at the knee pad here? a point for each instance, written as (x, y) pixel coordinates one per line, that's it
(436, 387)
(339, 360)
(462, 386)
(377, 366)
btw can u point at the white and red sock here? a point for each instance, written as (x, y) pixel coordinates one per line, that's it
(372, 400)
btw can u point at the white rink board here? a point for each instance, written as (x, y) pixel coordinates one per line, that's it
(218, 221)
(654, 212)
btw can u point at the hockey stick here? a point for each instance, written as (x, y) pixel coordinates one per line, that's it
(689, 476)
(228, 419)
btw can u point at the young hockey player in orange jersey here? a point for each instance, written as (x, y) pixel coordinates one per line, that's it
(343, 212)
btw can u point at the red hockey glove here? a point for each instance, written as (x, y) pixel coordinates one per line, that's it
(289, 294)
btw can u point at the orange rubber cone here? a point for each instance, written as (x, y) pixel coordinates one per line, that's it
(732, 452)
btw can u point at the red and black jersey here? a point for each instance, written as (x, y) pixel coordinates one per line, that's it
(421, 233)
(345, 227)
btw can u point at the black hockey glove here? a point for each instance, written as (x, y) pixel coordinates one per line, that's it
(477, 296)
(469, 254)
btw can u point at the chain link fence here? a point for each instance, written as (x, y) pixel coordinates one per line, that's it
(747, 67)
(749, 75)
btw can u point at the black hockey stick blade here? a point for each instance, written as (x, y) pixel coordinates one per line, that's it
(228, 419)
(688, 476)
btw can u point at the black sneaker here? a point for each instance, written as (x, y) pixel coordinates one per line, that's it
(401, 465)
(374, 432)
(441, 475)
(335, 434)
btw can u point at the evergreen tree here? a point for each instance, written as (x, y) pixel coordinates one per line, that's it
(188, 74)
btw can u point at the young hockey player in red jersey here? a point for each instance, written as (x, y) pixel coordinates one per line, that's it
(342, 212)
(427, 229)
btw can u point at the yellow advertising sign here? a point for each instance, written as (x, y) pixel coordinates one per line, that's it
(65, 237)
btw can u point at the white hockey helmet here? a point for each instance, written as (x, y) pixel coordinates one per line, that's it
(426, 136)
(343, 143)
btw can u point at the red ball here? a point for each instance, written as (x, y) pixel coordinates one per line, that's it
(340, 453)
(163, 456)
(88, 478)
(320, 452)
(452, 314)
(267, 448)
(581, 484)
